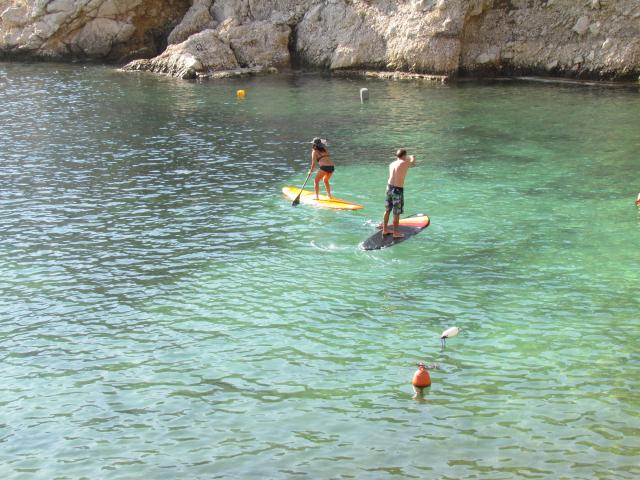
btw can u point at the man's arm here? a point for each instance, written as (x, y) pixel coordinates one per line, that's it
(412, 161)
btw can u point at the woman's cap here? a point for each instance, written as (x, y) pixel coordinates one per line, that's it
(319, 142)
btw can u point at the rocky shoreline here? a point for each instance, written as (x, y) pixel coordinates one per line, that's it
(428, 39)
(393, 75)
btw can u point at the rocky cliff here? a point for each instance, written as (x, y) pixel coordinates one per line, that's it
(580, 38)
(87, 29)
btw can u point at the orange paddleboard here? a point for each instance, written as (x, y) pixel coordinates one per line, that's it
(309, 198)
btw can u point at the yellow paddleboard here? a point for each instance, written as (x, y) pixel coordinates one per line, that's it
(309, 198)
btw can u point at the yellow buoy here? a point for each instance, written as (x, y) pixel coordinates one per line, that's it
(241, 93)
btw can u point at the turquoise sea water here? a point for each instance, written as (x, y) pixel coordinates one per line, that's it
(165, 313)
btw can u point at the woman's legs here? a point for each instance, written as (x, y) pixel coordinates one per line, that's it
(316, 183)
(327, 187)
(324, 176)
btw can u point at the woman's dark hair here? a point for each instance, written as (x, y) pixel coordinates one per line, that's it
(318, 144)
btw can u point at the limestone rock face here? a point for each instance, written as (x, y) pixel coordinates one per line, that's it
(201, 53)
(587, 38)
(258, 43)
(97, 37)
(337, 36)
(247, 11)
(197, 18)
(418, 35)
(91, 29)
(581, 39)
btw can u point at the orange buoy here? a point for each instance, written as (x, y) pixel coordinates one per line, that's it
(241, 93)
(421, 378)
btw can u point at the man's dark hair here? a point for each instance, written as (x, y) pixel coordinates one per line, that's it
(401, 153)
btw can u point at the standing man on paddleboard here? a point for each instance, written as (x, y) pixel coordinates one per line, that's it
(320, 156)
(395, 191)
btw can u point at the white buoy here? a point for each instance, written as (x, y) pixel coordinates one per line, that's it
(448, 333)
(364, 95)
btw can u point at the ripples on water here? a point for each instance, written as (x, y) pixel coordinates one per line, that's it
(166, 313)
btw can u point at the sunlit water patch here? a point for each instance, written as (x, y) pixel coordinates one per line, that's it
(166, 312)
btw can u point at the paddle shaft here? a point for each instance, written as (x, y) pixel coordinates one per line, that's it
(296, 201)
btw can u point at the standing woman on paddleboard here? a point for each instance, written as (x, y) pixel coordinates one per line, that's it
(320, 156)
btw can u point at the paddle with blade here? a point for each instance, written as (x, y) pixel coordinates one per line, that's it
(296, 201)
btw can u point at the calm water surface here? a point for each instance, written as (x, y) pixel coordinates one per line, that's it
(165, 313)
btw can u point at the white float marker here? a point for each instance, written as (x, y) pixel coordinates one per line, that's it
(364, 95)
(448, 333)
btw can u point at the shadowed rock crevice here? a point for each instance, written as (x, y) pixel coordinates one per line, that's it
(294, 59)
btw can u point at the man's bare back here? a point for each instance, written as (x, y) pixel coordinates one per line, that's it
(394, 198)
(398, 170)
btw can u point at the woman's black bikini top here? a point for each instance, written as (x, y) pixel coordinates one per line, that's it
(321, 157)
